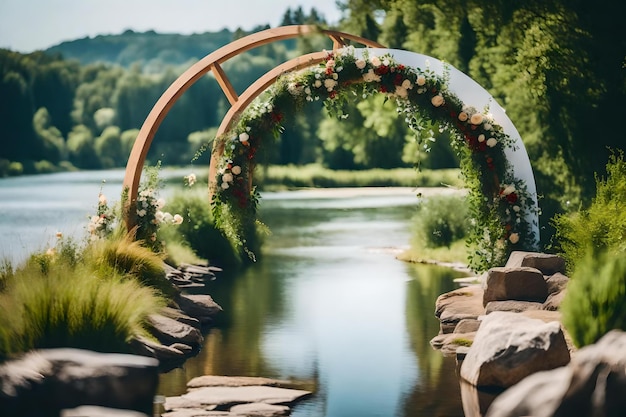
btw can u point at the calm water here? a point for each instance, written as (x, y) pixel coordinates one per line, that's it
(327, 305)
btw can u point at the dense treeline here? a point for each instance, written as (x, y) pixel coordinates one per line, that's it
(557, 67)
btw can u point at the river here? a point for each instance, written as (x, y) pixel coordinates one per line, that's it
(327, 304)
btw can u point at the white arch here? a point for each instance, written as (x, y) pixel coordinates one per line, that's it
(473, 94)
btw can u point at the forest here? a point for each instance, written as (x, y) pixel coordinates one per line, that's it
(557, 67)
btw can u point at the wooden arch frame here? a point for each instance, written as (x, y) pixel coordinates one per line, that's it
(212, 62)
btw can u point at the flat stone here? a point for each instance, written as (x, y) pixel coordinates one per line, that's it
(548, 264)
(94, 411)
(512, 306)
(197, 412)
(169, 331)
(467, 326)
(232, 381)
(147, 347)
(247, 394)
(200, 306)
(459, 304)
(260, 410)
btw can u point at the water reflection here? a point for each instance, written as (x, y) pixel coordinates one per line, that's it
(329, 305)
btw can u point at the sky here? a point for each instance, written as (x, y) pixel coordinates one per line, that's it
(29, 25)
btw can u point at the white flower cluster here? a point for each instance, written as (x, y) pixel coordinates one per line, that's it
(229, 171)
(190, 179)
(477, 119)
(148, 202)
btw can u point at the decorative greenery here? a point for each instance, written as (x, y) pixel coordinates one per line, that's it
(499, 202)
(601, 226)
(594, 303)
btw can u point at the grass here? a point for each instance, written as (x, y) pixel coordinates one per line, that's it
(420, 253)
(60, 305)
(307, 176)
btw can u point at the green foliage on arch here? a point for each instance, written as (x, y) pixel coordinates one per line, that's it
(498, 201)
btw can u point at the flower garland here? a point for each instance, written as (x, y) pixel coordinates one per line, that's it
(499, 202)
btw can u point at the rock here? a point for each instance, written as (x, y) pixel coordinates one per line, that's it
(454, 306)
(93, 411)
(508, 347)
(554, 300)
(180, 316)
(557, 282)
(47, 381)
(233, 381)
(170, 331)
(593, 384)
(260, 410)
(515, 283)
(512, 305)
(199, 306)
(467, 326)
(450, 343)
(146, 347)
(546, 263)
(225, 396)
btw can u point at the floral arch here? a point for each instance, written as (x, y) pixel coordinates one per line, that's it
(494, 162)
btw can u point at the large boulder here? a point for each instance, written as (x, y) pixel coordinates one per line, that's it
(548, 264)
(515, 283)
(508, 347)
(169, 331)
(45, 382)
(593, 384)
(454, 306)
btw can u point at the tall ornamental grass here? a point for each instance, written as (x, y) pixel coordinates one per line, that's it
(50, 303)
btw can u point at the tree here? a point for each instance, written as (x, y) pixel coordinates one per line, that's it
(50, 137)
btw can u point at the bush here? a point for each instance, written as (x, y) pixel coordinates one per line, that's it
(198, 230)
(64, 306)
(594, 303)
(440, 221)
(123, 256)
(602, 226)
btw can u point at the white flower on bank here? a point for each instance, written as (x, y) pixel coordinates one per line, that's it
(178, 219)
(514, 238)
(236, 170)
(191, 179)
(437, 100)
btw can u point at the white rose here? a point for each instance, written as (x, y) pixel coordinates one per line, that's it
(476, 119)
(158, 216)
(330, 84)
(437, 100)
(102, 199)
(178, 219)
(514, 238)
(375, 61)
(421, 80)
(491, 142)
(307, 91)
(330, 63)
(228, 177)
(487, 126)
(463, 116)
(244, 137)
(335, 76)
(508, 189)
(167, 217)
(481, 138)
(160, 203)
(360, 63)
(371, 76)
(406, 84)
(236, 170)
(225, 186)
(516, 209)
(401, 91)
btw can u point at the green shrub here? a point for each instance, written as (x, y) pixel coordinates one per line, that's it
(15, 168)
(198, 229)
(123, 256)
(602, 226)
(72, 307)
(440, 221)
(595, 299)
